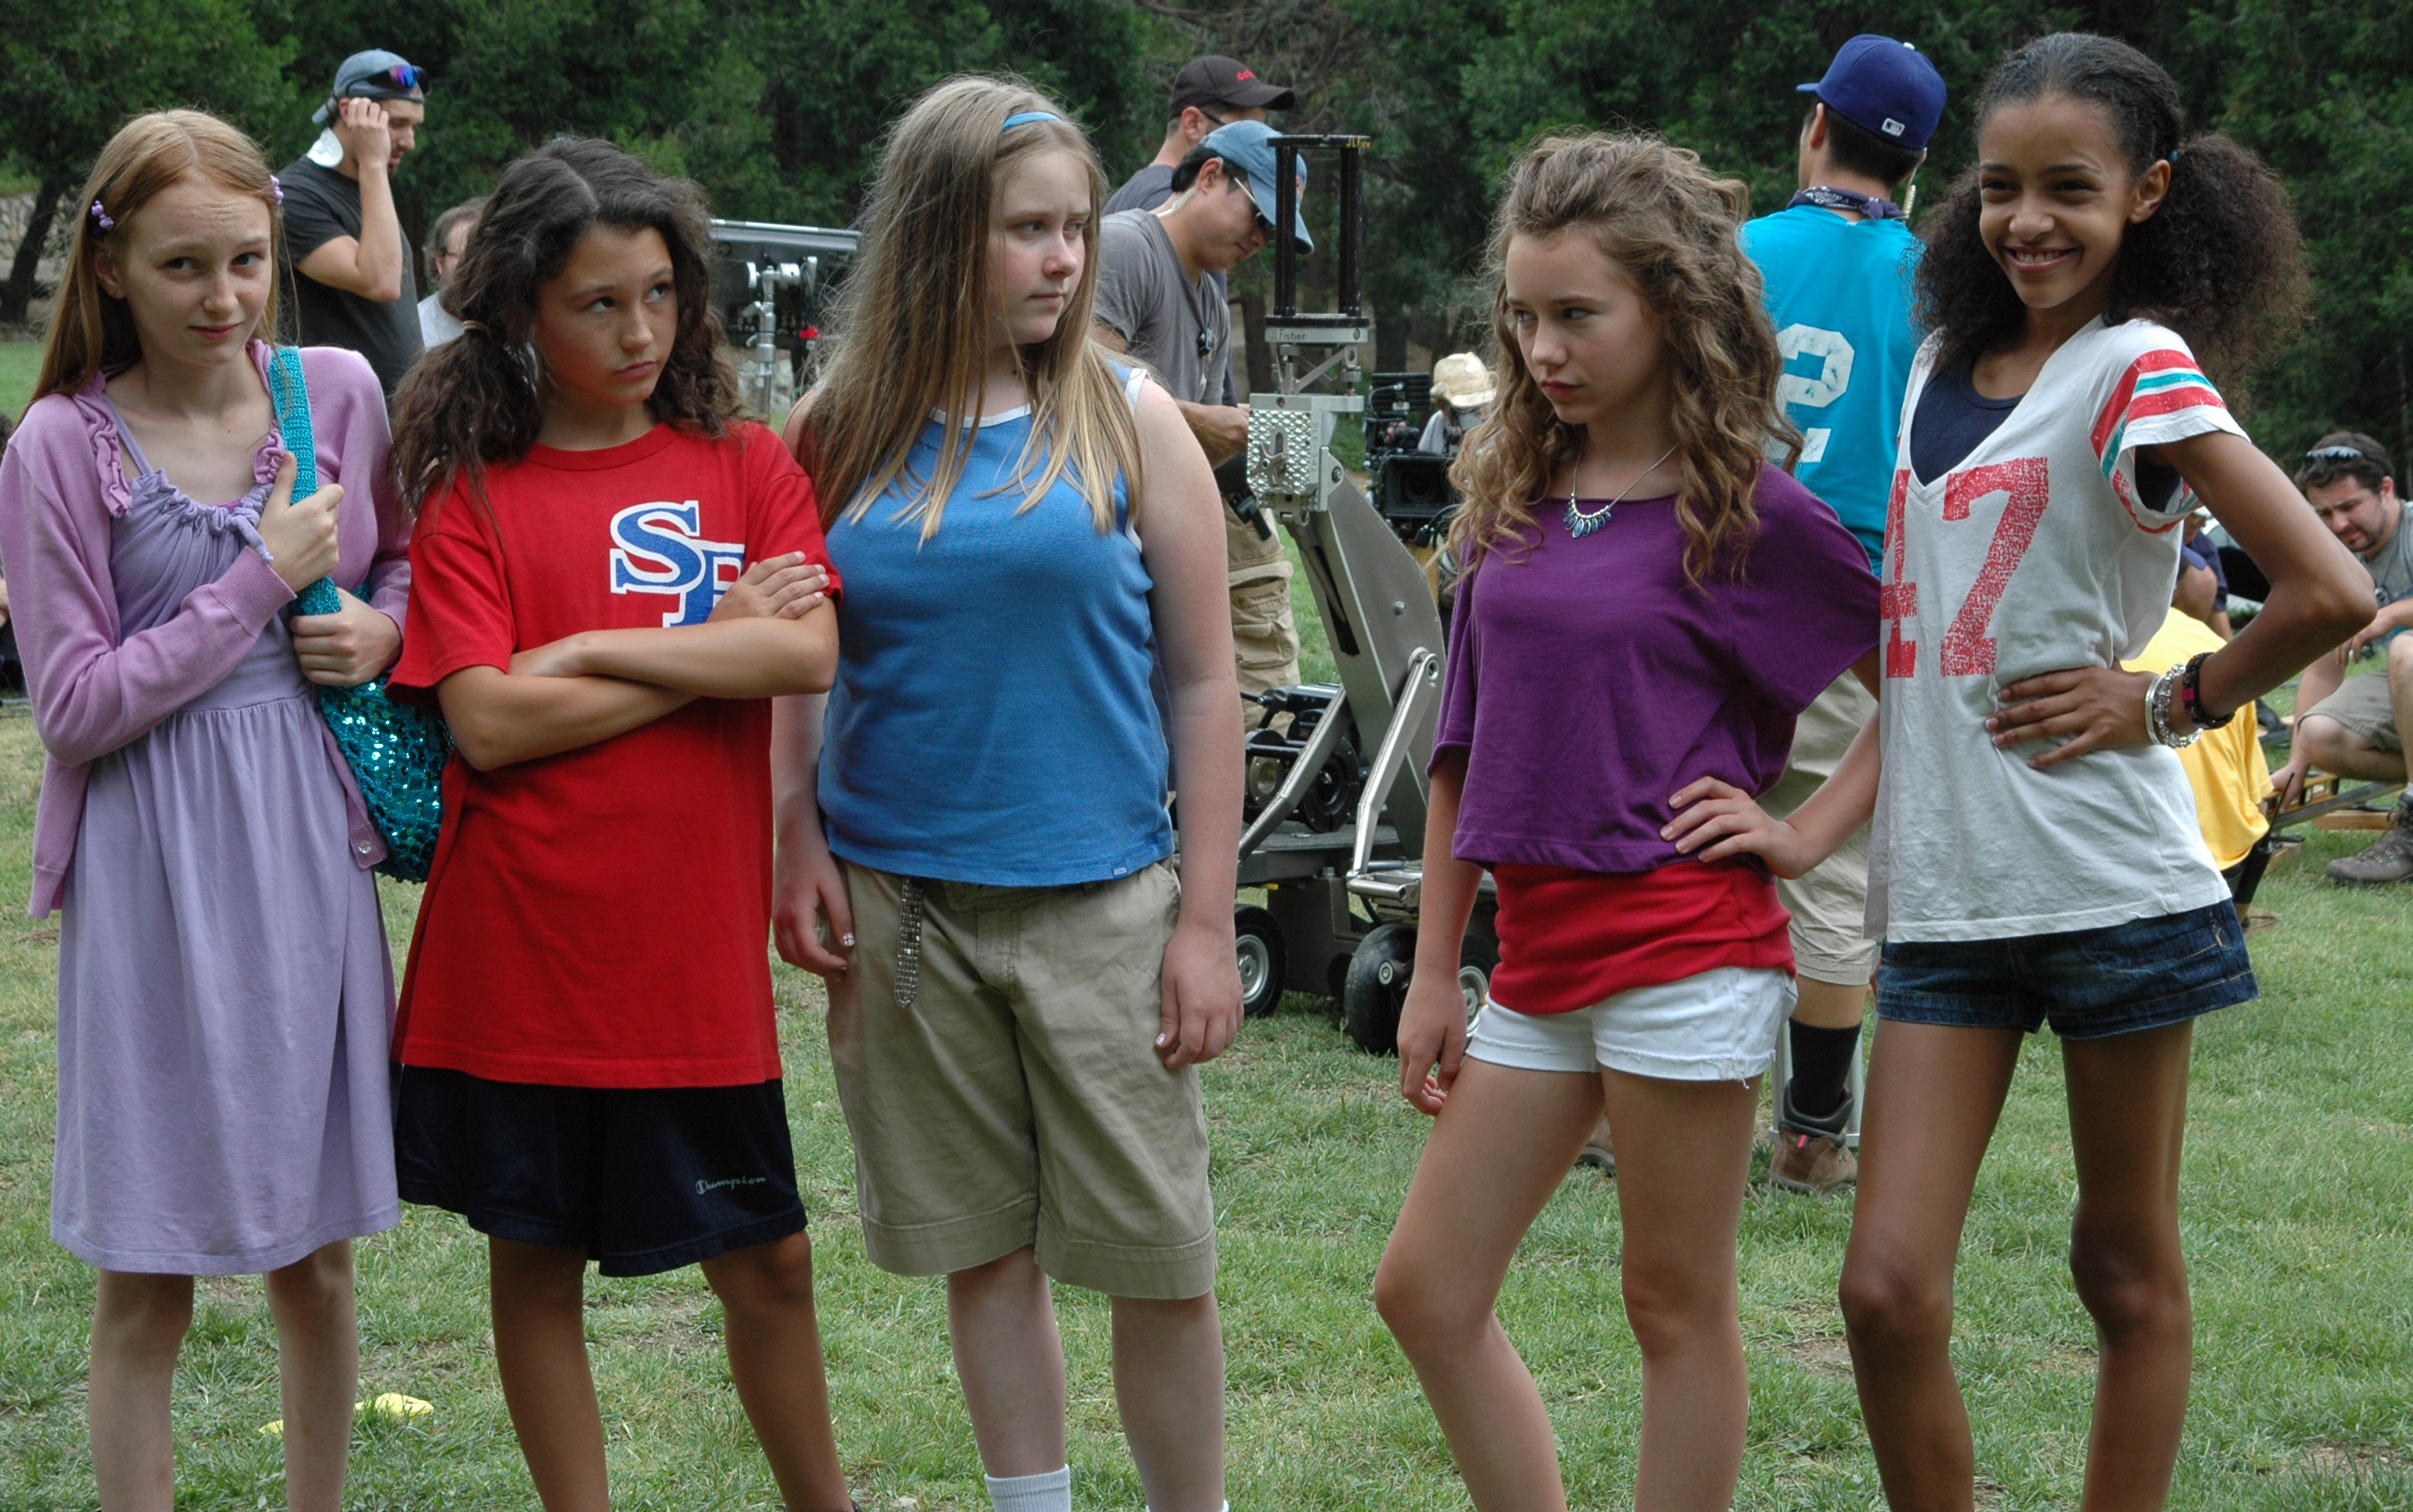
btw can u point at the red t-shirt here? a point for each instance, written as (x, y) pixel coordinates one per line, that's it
(602, 917)
(1569, 939)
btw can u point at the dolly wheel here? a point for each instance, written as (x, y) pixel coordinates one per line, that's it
(1376, 987)
(1475, 964)
(1263, 960)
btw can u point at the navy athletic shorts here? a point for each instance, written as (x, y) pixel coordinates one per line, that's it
(642, 1179)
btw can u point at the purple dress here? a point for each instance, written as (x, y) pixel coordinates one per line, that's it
(225, 993)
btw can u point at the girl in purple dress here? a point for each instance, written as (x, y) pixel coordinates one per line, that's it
(224, 988)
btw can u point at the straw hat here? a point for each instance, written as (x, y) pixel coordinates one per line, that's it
(1462, 380)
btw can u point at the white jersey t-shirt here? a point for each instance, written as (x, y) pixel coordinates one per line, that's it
(2034, 555)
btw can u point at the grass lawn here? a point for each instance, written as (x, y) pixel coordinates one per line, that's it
(20, 361)
(2298, 1228)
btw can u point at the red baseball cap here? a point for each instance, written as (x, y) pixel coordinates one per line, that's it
(1220, 81)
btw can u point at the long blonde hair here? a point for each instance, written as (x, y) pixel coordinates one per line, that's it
(91, 332)
(1671, 229)
(918, 309)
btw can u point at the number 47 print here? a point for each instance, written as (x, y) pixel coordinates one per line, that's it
(1968, 650)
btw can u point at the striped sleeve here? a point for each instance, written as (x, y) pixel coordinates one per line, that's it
(2163, 396)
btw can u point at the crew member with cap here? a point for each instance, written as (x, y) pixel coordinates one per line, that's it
(1839, 260)
(341, 231)
(1207, 92)
(1157, 302)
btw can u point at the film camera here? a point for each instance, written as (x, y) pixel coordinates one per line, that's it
(1411, 489)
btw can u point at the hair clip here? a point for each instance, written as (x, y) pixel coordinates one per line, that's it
(100, 218)
(1025, 117)
(276, 188)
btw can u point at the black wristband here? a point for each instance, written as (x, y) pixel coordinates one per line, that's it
(2191, 694)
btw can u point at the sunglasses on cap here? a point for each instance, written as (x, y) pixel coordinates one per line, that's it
(400, 76)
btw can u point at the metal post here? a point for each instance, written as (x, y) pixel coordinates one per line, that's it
(1352, 230)
(1286, 215)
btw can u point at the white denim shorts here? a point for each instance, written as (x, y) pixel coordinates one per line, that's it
(1719, 1026)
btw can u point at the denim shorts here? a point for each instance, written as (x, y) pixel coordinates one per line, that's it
(2087, 983)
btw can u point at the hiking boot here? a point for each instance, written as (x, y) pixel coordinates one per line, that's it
(1811, 1154)
(1597, 1153)
(2387, 859)
(1813, 1164)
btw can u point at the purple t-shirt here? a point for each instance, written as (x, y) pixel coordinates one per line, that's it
(1588, 681)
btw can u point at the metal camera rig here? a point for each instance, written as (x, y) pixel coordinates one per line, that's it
(772, 286)
(1336, 824)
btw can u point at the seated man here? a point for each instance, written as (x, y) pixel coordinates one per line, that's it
(2354, 727)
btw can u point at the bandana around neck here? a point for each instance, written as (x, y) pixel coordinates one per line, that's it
(1874, 207)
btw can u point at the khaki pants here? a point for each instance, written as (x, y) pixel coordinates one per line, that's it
(1829, 903)
(1015, 1099)
(1265, 636)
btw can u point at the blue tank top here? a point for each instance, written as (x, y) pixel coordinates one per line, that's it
(1839, 293)
(994, 719)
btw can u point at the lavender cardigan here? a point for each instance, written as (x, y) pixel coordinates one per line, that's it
(61, 487)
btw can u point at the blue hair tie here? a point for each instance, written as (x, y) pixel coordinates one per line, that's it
(1025, 117)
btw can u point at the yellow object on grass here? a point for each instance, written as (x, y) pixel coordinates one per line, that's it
(393, 1405)
(2226, 767)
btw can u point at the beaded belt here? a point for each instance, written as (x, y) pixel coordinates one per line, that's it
(909, 941)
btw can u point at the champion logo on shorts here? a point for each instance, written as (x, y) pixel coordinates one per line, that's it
(702, 1186)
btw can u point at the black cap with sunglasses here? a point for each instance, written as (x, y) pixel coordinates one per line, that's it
(375, 74)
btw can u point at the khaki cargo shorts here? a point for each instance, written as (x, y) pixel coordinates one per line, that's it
(1829, 903)
(1016, 1099)
(2363, 705)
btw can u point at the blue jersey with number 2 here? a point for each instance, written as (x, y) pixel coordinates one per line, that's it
(1839, 293)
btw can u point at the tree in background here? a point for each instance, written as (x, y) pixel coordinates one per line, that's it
(777, 108)
(71, 75)
(2323, 90)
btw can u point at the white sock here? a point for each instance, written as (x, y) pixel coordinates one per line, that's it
(1050, 1492)
(1227, 1507)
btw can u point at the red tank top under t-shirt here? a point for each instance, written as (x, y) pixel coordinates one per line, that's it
(1570, 939)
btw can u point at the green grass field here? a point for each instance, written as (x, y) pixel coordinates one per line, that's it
(2298, 1228)
(19, 362)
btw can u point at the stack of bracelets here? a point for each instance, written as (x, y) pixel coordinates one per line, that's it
(2184, 682)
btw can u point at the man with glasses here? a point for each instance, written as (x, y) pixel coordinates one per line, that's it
(1157, 301)
(2354, 727)
(1207, 92)
(341, 232)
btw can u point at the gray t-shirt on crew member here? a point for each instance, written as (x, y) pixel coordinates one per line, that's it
(1180, 330)
(2391, 565)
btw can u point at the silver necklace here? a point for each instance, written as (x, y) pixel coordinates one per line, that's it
(1581, 524)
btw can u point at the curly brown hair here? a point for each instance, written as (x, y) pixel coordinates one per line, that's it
(2220, 261)
(1671, 227)
(477, 399)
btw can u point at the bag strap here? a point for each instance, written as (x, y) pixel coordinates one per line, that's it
(291, 397)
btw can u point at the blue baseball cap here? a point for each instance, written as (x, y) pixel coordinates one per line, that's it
(375, 74)
(1248, 145)
(1886, 88)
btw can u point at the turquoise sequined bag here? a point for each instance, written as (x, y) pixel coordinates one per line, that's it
(397, 751)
